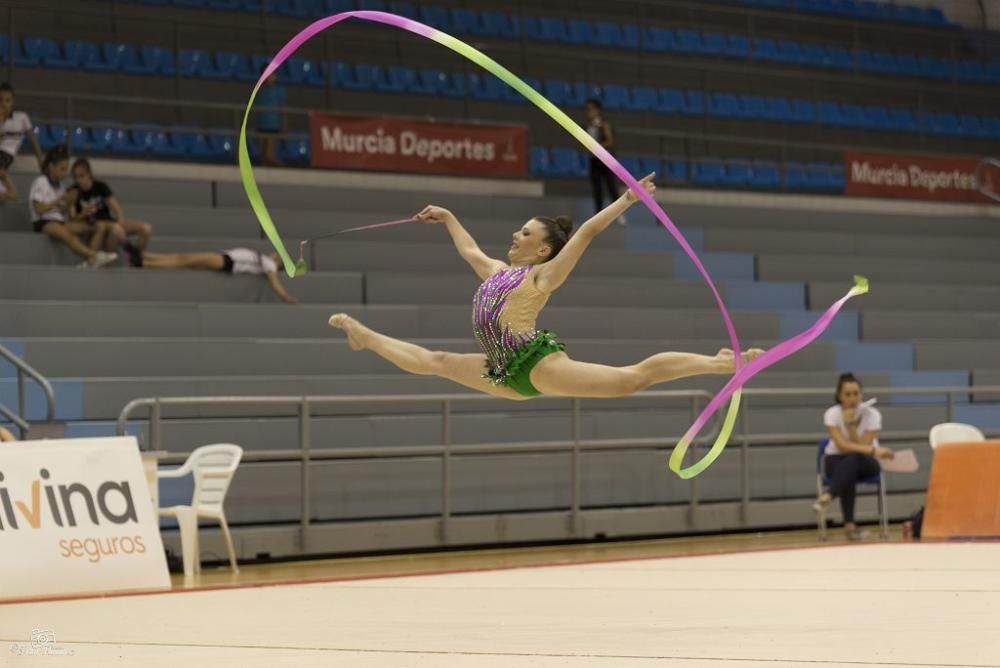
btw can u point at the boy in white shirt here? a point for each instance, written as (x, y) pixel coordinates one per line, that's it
(14, 127)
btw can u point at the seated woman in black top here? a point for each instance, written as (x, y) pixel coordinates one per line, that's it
(95, 203)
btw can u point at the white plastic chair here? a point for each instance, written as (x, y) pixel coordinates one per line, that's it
(213, 467)
(954, 432)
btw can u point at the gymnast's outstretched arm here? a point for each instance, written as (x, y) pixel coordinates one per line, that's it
(482, 264)
(553, 273)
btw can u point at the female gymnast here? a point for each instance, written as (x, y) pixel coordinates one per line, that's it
(521, 362)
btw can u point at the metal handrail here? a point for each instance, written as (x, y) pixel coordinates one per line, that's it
(303, 409)
(25, 369)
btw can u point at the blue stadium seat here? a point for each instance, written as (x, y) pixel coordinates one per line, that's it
(752, 106)
(160, 60)
(970, 70)
(658, 40)
(235, 65)
(405, 9)
(22, 58)
(224, 5)
(991, 126)
(498, 24)
(567, 162)
(886, 63)
(948, 124)
(164, 147)
(909, 65)
(866, 61)
(671, 101)
(815, 55)
(706, 172)
(694, 102)
(839, 58)
(713, 44)
(737, 46)
(764, 175)
(123, 144)
(972, 126)
(357, 77)
(514, 97)
(903, 120)
(81, 140)
(330, 7)
(4, 48)
(837, 181)
(553, 29)
(580, 32)
(194, 63)
(725, 105)
(55, 136)
(411, 82)
(557, 91)
(778, 109)
(48, 52)
(875, 11)
(688, 41)
(935, 68)
(615, 97)
(829, 115)
(125, 59)
(736, 173)
(485, 87)
(305, 72)
(294, 150)
(853, 116)
(451, 85)
(877, 118)
(538, 161)
(676, 169)
(625, 36)
(803, 111)
(531, 28)
(439, 17)
(933, 16)
(222, 144)
(632, 166)
(908, 14)
(144, 136)
(993, 72)
(373, 77)
(766, 49)
(190, 4)
(396, 80)
(643, 98)
(466, 21)
(818, 176)
(791, 53)
(650, 164)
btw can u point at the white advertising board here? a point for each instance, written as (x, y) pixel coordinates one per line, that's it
(76, 517)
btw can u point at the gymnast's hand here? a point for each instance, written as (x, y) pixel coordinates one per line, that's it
(647, 183)
(434, 214)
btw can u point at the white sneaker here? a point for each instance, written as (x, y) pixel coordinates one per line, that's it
(102, 259)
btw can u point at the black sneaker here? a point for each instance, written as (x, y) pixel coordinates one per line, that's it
(134, 254)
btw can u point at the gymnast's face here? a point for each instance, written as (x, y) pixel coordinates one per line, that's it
(529, 245)
(850, 395)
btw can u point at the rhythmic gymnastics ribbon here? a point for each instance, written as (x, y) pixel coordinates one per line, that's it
(731, 391)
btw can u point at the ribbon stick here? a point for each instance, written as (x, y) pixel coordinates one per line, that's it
(743, 373)
(300, 266)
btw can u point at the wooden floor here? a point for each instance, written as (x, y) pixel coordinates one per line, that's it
(779, 600)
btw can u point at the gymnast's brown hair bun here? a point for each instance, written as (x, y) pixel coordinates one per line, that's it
(557, 231)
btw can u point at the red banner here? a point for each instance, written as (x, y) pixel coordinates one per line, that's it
(918, 177)
(404, 145)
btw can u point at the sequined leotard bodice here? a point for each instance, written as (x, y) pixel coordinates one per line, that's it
(504, 311)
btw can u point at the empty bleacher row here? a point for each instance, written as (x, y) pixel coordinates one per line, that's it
(656, 39)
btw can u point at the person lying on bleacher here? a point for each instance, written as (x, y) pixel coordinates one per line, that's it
(8, 191)
(50, 204)
(235, 261)
(94, 203)
(14, 127)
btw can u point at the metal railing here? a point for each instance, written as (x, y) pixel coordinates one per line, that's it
(575, 445)
(25, 369)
